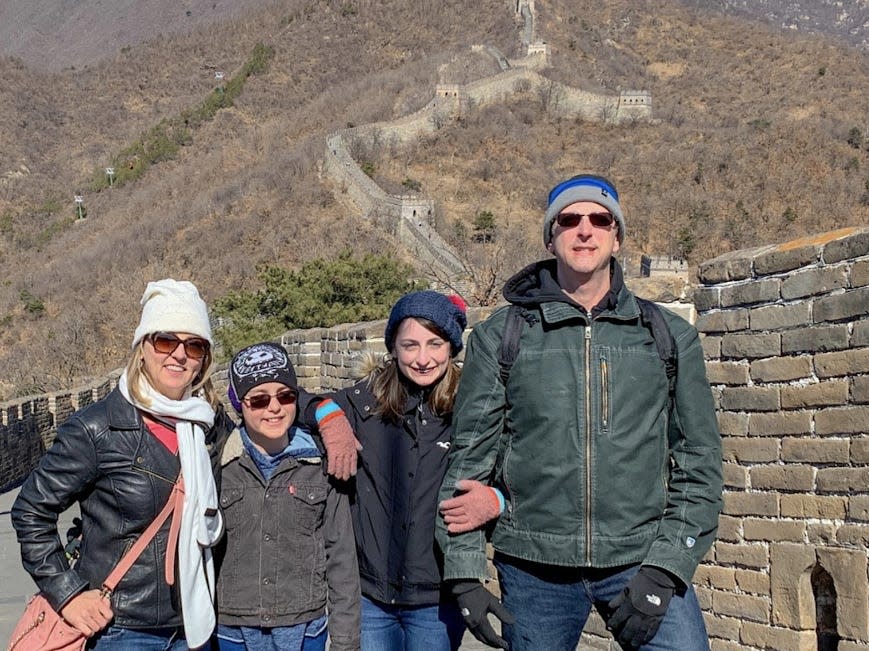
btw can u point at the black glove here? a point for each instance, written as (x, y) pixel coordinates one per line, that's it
(638, 610)
(475, 603)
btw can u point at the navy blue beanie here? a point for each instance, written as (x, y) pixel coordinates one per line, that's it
(447, 313)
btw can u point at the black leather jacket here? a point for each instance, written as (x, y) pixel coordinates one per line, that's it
(121, 475)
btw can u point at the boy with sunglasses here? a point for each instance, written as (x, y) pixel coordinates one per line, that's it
(607, 505)
(289, 555)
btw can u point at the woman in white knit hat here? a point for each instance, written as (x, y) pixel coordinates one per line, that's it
(119, 459)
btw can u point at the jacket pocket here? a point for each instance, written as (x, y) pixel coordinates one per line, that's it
(604, 394)
(308, 505)
(232, 503)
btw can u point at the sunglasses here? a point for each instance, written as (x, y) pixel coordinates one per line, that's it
(165, 343)
(597, 219)
(263, 400)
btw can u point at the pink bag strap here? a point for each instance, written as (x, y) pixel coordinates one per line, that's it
(174, 503)
(174, 530)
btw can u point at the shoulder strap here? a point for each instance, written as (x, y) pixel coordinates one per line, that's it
(508, 351)
(653, 320)
(174, 503)
(650, 316)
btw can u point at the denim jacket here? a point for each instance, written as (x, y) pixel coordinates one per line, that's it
(288, 552)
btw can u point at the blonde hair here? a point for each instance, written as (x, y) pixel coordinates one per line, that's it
(202, 385)
(391, 392)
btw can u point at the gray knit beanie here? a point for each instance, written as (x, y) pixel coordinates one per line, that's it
(584, 187)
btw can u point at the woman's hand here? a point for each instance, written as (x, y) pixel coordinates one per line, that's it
(89, 612)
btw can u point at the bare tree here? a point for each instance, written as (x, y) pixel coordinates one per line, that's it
(487, 263)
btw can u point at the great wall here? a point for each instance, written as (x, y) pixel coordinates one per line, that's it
(410, 217)
(785, 330)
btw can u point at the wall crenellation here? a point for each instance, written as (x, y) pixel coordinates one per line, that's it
(29, 426)
(785, 335)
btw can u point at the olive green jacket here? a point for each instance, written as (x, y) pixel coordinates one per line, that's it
(579, 440)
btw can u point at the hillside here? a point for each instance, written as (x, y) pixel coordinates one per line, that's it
(847, 21)
(761, 136)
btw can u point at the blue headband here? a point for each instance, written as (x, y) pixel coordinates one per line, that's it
(583, 179)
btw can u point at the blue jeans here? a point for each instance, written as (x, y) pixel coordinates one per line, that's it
(411, 628)
(551, 605)
(115, 638)
(310, 636)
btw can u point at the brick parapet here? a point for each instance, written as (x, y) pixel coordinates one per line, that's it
(29, 425)
(785, 335)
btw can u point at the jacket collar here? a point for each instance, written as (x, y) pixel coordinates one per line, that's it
(233, 448)
(120, 413)
(537, 286)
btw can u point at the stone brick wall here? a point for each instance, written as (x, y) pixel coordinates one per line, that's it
(29, 426)
(404, 215)
(786, 335)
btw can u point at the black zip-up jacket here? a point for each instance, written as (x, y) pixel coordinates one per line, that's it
(121, 475)
(395, 503)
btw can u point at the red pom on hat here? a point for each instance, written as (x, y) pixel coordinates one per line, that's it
(458, 301)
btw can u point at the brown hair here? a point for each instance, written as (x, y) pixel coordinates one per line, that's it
(202, 384)
(391, 393)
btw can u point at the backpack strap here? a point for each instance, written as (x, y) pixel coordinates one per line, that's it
(653, 320)
(508, 351)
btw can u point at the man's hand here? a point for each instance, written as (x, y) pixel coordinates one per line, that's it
(475, 507)
(639, 609)
(341, 445)
(475, 603)
(89, 612)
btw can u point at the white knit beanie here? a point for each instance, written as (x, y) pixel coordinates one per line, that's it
(173, 306)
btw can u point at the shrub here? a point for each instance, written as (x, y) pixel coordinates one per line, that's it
(32, 304)
(163, 141)
(322, 293)
(412, 184)
(484, 226)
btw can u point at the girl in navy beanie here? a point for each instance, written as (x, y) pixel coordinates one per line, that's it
(401, 412)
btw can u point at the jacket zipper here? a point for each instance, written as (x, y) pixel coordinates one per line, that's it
(604, 394)
(588, 441)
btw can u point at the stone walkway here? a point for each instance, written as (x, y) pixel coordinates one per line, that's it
(17, 585)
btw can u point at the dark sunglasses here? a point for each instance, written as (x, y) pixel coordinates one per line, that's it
(263, 400)
(597, 219)
(165, 343)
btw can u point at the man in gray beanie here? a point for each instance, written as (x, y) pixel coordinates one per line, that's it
(608, 467)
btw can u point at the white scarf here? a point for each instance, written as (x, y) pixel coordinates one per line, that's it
(199, 531)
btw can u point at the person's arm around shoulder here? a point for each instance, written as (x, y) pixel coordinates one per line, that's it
(65, 472)
(695, 484)
(326, 417)
(342, 571)
(474, 505)
(478, 418)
